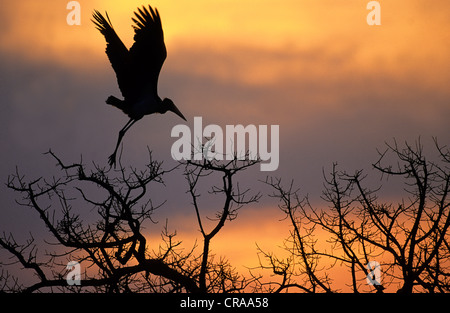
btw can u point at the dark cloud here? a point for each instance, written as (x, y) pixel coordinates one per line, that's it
(322, 120)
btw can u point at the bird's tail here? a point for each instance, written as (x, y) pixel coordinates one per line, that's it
(120, 104)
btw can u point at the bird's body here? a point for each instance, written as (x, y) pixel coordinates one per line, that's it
(137, 109)
(137, 69)
(145, 106)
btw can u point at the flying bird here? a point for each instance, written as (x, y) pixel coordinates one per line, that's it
(137, 69)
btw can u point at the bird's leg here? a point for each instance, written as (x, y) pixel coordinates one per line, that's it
(112, 157)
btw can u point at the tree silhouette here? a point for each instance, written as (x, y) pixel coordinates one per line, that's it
(114, 251)
(99, 218)
(222, 275)
(410, 239)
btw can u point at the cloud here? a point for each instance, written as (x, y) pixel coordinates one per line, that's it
(337, 88)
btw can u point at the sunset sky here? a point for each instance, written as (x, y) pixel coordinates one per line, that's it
(337, 87)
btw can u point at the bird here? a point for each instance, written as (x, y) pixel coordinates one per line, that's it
(137, 69)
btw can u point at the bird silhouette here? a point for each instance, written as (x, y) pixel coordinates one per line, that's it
(137, 69)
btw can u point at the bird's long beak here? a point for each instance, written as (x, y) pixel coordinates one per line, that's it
(175, 110)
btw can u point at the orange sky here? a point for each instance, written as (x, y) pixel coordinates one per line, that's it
(263, 227)
(257, 43)
(411, 40)
(313, 66)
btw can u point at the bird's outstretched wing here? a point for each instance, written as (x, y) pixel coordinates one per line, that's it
(148, 52)
(117, 53)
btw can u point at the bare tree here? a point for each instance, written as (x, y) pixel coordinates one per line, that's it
(410, 239)
(113, 251)
(301, 270)
(219, 277)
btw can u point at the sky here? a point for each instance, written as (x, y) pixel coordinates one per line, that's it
(337, 87)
